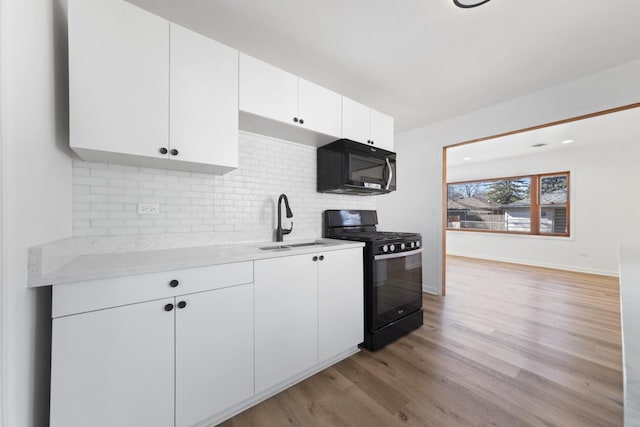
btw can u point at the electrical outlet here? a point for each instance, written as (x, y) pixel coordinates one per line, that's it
(148, 209)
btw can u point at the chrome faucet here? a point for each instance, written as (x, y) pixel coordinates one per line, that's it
(280, 232)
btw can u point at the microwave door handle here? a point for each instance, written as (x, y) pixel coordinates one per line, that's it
(390, 173)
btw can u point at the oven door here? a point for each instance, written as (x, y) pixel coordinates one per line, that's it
(397, 286)
(374, 173)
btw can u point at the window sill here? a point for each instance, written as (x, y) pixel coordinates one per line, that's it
(517, 235)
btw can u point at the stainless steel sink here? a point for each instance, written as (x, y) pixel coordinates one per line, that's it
(291, 246)
(301, 245)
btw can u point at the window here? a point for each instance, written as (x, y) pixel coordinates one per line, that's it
(533, 204)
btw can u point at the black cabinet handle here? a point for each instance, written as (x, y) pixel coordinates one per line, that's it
(173, 152)
(315, 258)
(182, 304)
(174, 283)
(321, 257)
(163, 150)
(373, 142)
(295, 120)
(168, 307)
(301, 121)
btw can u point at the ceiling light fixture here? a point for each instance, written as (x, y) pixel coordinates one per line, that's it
(466, 4)
(567, 141)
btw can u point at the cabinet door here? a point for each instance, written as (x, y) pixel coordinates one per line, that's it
(356, 120)
(118, 78)
(286, 318)
(341, 304)
(320, 108)
(114, 367)
(204, 99)
(267, 91)
(214, 352)
(382, 130)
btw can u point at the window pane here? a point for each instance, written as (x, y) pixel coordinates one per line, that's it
(502, 205)
(553, 204)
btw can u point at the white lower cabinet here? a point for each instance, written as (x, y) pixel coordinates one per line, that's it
(168, 362)
(193, 347)
(286, 318)
(309, 308)
(114, 367)
(214, 352)
(340, 302)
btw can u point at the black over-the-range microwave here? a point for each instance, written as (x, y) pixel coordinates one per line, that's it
(348, 167)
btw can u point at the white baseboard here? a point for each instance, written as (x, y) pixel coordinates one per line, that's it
(541, 264)
(431, 290)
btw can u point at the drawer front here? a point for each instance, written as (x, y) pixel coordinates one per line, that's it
(92, 295)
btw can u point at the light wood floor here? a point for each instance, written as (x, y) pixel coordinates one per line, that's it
(508, 346)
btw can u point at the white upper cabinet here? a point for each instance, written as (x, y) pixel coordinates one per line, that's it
(279, 104)
(363, 124)
(356, 121)
(204, 100)
(319, 109)
(382, 130)
(267, 91)
(147, 92)
(118, 79)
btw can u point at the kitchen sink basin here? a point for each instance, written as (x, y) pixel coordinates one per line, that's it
(291, 246)
(301, 245)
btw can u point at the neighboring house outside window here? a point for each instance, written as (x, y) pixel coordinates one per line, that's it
(534, 204)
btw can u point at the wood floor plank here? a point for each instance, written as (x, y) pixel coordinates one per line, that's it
(509, 345)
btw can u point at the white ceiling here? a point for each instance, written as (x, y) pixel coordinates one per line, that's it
(607, 130)
(422, 60)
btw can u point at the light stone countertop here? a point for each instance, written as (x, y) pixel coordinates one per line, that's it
(88, 258)
(630, 312)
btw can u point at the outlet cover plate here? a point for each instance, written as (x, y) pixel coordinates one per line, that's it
(148, 209)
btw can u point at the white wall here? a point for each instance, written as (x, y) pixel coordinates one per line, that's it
(417, 205)
(604, 206)
(237, 206)
(36, 190)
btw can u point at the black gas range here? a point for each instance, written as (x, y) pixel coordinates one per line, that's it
(392, 274)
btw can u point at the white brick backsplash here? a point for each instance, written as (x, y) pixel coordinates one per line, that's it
(237, 206)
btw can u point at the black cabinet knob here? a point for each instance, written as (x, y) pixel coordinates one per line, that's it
(173, 152)
(321, 257)
(168, 307)
(182, 304)
(163, 150)
(295, 120)
(174, 283)
(315, 258)
(373, 142)
(301, 121)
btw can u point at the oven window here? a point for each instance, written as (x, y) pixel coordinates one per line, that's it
(397, 288)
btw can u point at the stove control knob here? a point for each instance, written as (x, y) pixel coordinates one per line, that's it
(392, 248)
(417, 244)
(413, 245)
(402, 246)
(385, 248)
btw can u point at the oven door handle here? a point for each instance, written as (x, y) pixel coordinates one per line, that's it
(398, 255)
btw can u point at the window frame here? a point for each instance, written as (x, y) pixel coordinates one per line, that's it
(534, 209)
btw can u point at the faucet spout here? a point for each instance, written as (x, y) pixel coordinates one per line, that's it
(280, 232)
